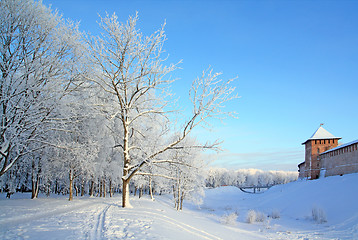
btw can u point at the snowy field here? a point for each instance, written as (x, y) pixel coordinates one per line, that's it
(290, 206)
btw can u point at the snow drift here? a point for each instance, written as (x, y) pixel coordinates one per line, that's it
(290, 208)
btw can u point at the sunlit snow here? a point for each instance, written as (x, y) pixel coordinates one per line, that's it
(104, 218)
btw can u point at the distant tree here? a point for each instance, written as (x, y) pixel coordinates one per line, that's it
(247, 177)
(188, 173)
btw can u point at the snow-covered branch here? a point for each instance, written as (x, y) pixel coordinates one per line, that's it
(39, 63)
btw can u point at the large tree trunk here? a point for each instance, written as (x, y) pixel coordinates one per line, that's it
(35, 188)
(126, 158)
(125, 194)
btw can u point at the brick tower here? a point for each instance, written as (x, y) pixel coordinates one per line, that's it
(319, 142)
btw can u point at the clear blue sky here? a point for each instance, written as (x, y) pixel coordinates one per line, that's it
(296, 62)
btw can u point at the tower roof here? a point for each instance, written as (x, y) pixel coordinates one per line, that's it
(321, 133)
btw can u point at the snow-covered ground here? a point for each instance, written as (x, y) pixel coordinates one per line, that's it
(98, 218)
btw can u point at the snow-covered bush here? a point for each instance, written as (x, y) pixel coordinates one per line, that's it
(251, 216)
(319, 215)
(255, 216)
(275, 214)
(260, 216)
(229, 219)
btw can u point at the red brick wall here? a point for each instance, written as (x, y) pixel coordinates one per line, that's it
(341, 161)
(313, 149)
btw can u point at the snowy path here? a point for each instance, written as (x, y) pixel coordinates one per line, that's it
(111, 221)
(24, 218)
(94, 218)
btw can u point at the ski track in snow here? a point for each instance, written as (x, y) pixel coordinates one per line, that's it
(121, 225)
(98, 227)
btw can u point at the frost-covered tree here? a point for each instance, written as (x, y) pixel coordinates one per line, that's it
(188, 174)
(37, 54)
(130, 70)
(247, 177)
(81, 140)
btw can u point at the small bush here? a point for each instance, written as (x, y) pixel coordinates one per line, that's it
(275, 214)
(229, 219)
(260, 216)
(319, 215)
(255, 216)
(251, 216)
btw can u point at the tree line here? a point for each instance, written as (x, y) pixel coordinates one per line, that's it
(248, 177)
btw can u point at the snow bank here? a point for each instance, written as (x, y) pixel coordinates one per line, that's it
(335, 197)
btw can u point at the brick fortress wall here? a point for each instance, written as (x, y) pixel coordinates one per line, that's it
(343, 160)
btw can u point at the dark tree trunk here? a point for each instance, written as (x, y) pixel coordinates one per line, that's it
(104, 187)
(181, 200)
(76, 189)
(35, 180)
(110, 188)
(91, 188)
(100, 188)
(140, 192)
(82, 188)
(48, 188)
